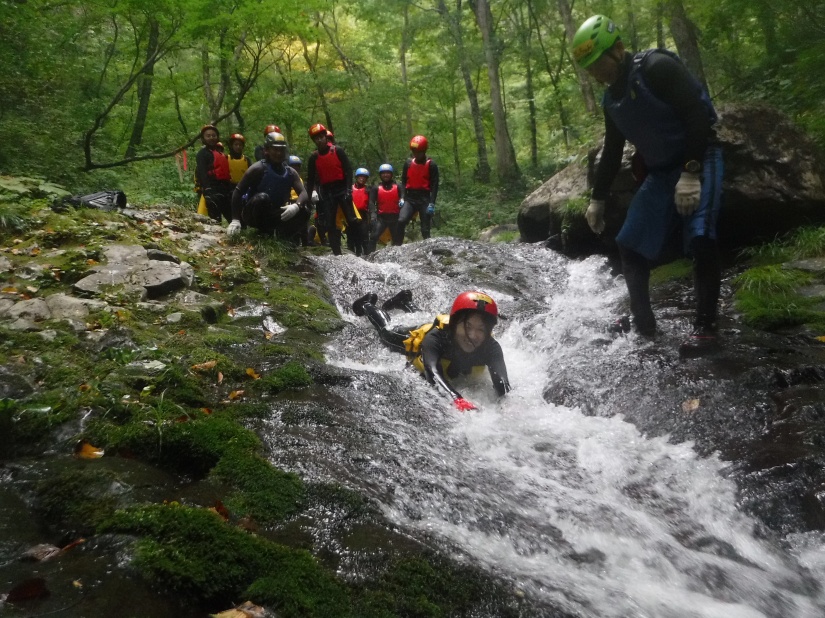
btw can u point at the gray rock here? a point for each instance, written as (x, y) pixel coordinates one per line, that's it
(125, 254)
(5, 264)
(152, 367)
(187, 273)
(202, 242)
(67, 307)
(23, 324)
(774, 182)
(162, 256)
(48, 335)
(492, 233)
(811, 265)
(5, 305)
(174, 318)
(159, 278)
(193, 300)
(13, 385)
(34, 309)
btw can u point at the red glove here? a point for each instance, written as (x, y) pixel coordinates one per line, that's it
(463, 405)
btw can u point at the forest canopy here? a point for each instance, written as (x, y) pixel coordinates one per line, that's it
(87, 89)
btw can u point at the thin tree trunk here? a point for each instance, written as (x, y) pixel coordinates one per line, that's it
(454, 130)
(660, 28)
(506, 164)
(482, 171)
(554, 80)
(144, 88)
(312, 63)
(585, 84)
(405, 33)
(526, 34)
(687, 44)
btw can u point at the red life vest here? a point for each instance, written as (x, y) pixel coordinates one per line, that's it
(220, 166)
(388, 200)
(329, 167)
(360, 196)
(418, 175)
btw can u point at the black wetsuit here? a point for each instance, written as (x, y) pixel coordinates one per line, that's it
(438, 345)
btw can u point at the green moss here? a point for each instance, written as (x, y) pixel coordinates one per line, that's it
(265, 493)
(673, 271)
(185, 388)
(193, 552)
(290, 375)
(297, 306)
(225, 365)
(76, 499)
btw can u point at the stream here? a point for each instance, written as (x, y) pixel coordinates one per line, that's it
(614, 480)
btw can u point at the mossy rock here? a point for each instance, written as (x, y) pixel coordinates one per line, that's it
(75, 500)
(194, 553)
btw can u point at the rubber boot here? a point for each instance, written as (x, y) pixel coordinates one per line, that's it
(378, 317)
(358, 305)
(402, 300)
(636, 271)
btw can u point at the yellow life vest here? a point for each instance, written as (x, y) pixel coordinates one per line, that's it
(237, 168)
(413, 344)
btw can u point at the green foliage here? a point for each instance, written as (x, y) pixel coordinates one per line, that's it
(767, 297)
(678, 269)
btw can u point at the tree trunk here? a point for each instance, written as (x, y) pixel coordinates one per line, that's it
(506, 165)
(403, 55)
(144, 88)
(585, 84)
(684, 33)
(482, 171)
(526, 32)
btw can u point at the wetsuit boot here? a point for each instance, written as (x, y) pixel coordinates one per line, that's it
(636, 271)
(358, 305)
(402, 300)
(707, 276)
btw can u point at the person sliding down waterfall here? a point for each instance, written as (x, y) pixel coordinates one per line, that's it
(452, 345)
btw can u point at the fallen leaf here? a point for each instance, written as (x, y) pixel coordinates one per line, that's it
(91, 262)
(268, 334)
(34, 251)
(206, 410)
(73, 544)
(84, 450)
(205, 366)
(17, 241)
(821, 338)
(244, 610)
(34, 588)
(230, 312)
(220, 377)
(84, 387)
(221, 510)
(252, 373)
(9, 290)
(77, 583)
(32, 289)
(235, 394)
(690, 405)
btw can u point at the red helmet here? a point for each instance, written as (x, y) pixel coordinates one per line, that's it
(271, 128)
(219, 147)
(419, 142)
(317, 129)
(475, 301)
(210, 126)
(330, 137)
(237, 136)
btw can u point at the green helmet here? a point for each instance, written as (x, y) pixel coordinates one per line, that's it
(593, 38)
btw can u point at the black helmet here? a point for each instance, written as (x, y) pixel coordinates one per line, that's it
(275, 140)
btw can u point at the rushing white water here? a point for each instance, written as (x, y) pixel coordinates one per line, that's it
(582, 511)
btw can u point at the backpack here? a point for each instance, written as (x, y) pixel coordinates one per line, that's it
(102, 200)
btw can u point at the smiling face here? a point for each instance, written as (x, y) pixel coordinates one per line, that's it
(210, 137)
(471, 332)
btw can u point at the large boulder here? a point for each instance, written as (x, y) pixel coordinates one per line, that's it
(774, 183)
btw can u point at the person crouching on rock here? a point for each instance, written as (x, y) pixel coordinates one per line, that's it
(262, 197)
(453, 345)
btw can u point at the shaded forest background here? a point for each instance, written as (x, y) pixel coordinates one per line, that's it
(103, 93)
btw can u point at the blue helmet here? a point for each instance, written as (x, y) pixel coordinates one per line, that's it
(362, 171)
(293, 160)
(386, 167)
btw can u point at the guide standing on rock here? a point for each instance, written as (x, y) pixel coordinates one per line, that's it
(653, 102)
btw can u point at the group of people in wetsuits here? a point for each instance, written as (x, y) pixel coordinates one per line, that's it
(651, 100)
(270, 196)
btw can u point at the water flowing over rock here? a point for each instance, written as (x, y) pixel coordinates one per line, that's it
(774, 183)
